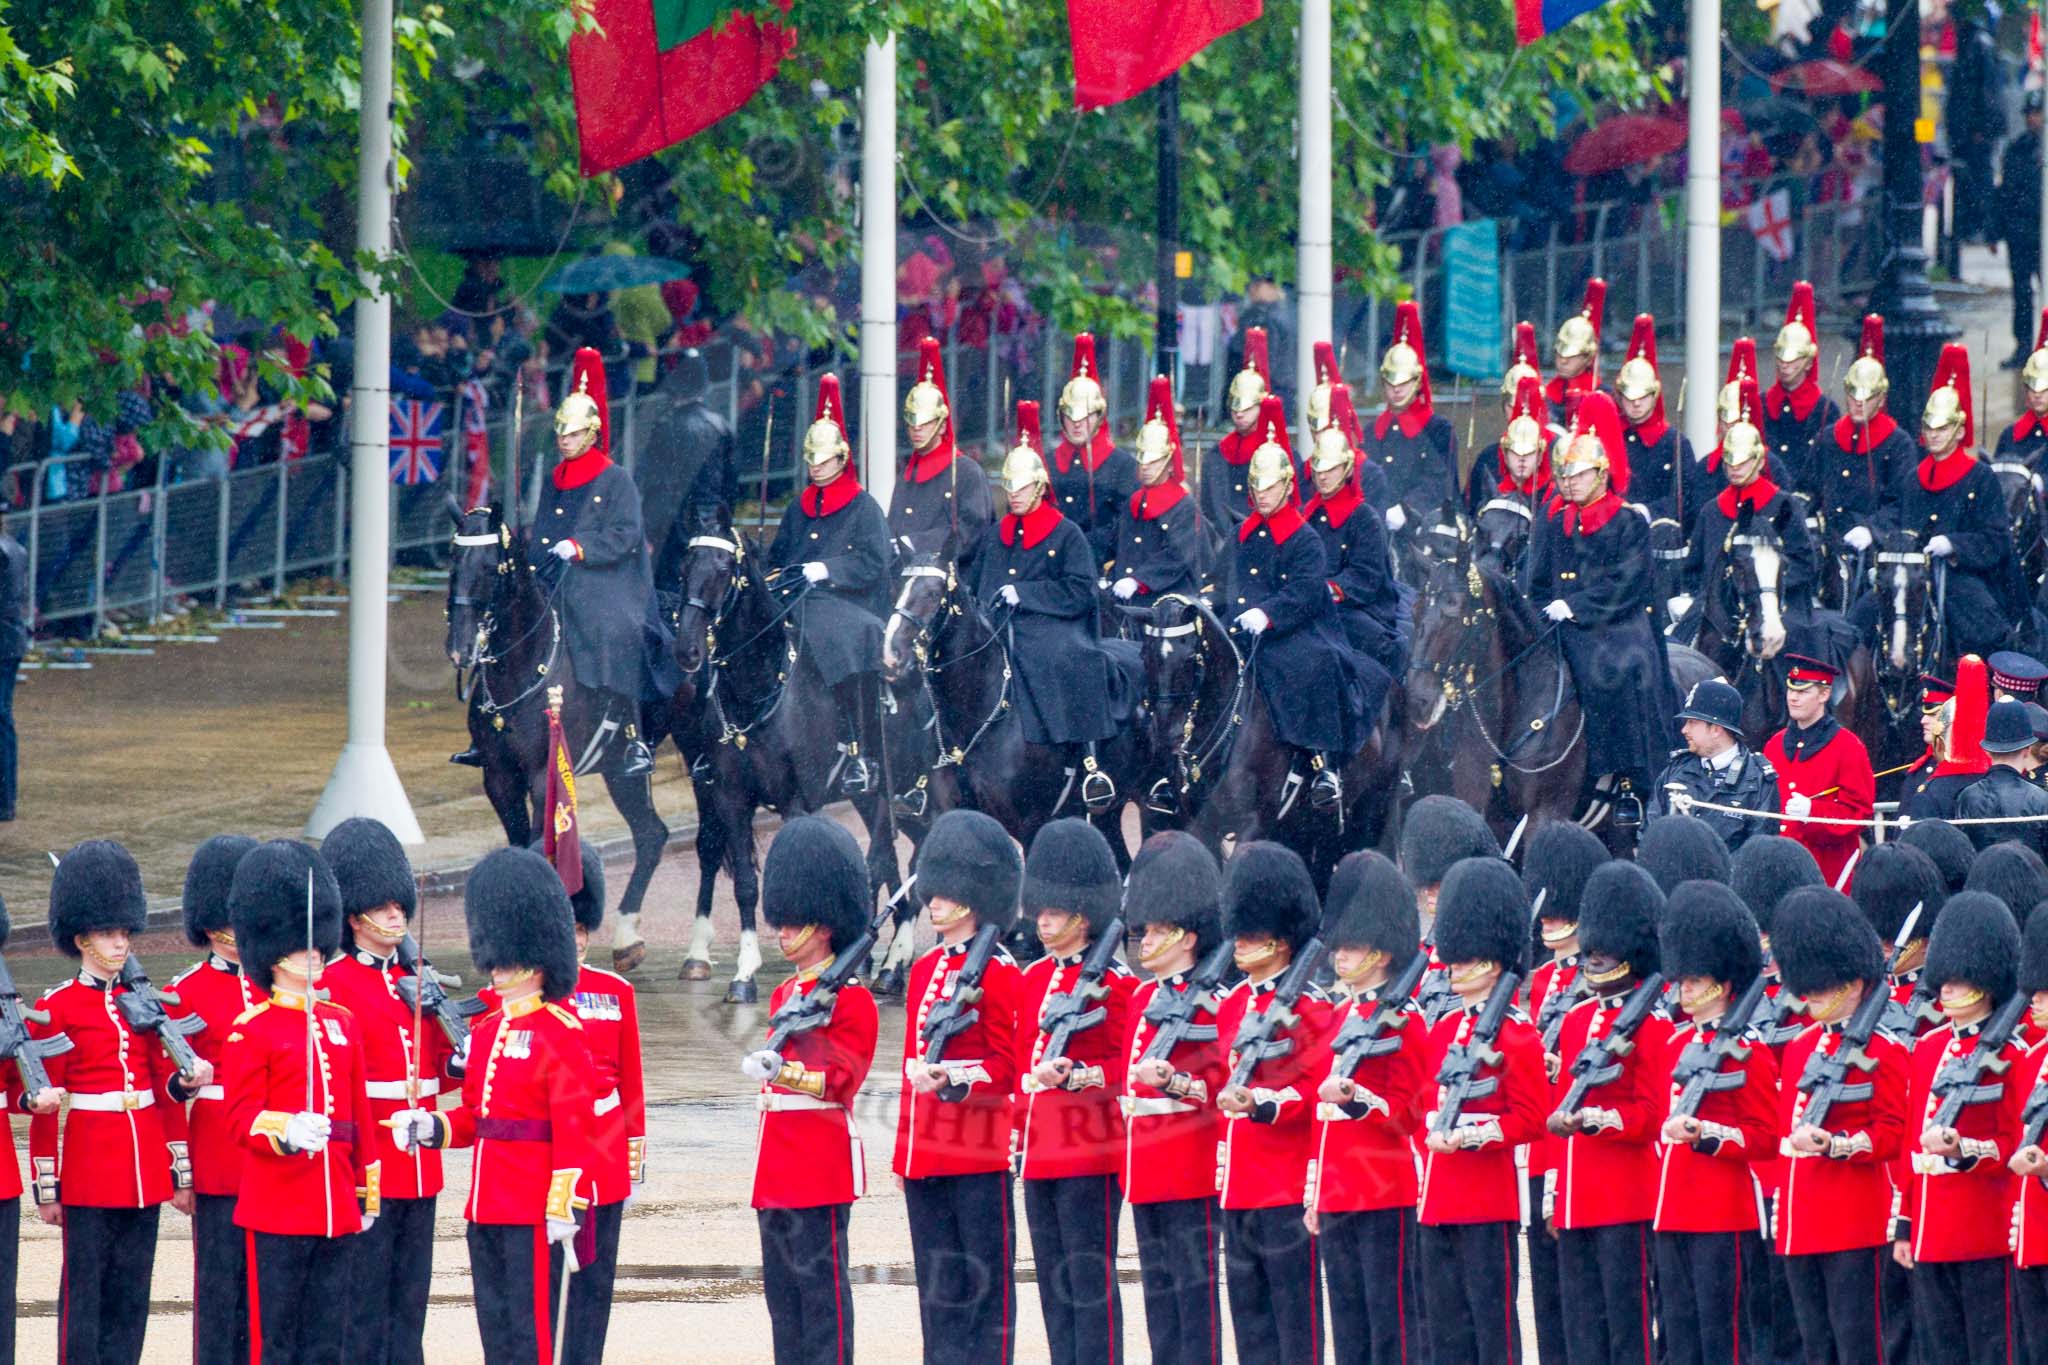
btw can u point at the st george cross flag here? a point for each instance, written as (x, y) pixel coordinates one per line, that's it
(1537, 18)
(1124, 46)
(664, 70)
(1770, 221)
(476, 444)
(415, 441)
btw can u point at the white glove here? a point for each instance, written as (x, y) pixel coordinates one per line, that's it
(1857, 538)
(564, 549)
(1679, 605)
(1009, 593)
(1798, 804)
(1254, 621)
(563, 1231)
(814, 572)
(1125, 588)
(412, 1128)
(304, 1132)
(1559, 610)
(1396, 518)
(459, 1063)
(1940, 548)
(761, 1065)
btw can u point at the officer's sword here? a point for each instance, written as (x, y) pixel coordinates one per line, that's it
(311, 954)
(412, 1053)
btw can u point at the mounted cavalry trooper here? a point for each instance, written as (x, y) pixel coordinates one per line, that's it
(1372, 606)
(1158, 548)
(1225, 482)
(1659, 456)
(2027, 437)
(1036, 579)
(1797, 412)
(1521, 472)
(941, 490)
(1410, 442)
(833, 535)
(1091, 478)
(1576, 353)
(1858, 475)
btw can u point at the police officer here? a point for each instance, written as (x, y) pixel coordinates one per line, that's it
(942, 493)
(1716, 765)
(2004, 792)
(1091, 479)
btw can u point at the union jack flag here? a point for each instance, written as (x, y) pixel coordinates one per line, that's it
(415, 441)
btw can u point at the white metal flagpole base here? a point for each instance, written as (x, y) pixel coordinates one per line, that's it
(365, 782)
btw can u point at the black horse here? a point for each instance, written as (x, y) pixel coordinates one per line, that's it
(1504, 528)
(2021, 487)
(1910, 641)
(1667, 566)
(505, 641)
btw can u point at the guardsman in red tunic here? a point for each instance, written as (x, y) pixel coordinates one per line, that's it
(215, 990)
(1070, 1132)
(1367, 1118)
(13, 1096)
(1606, 1178)
(1711, 1273)
(2030, 1163)
(1276, 1311)
(1823, 770)
(297, 1105)
(1892, 880)
(1954, 1232)
(953, 1127)
(809, 1166)
(123, 1149)
(1835, 1193)
(1473, 1204)
(526, 1108)
(394, 1258)
(1174, 900)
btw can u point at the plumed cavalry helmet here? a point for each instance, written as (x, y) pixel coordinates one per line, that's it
(267, 905)
(1250, 385)
(1272, 462)
(1638, 377)
(1025, 464)
(1402, 363)
(1580, 333)
(1082, 397)
(1742, 445)
(1596, 440)
(1799, 338)
(1526, 434)
(1526, 364)
(1334, 448)
(1866, 378)
(1159, 437)
(825, 438)
(2035, 372)
(586, 408)
(926, 401)
(1948, 404)
(1728, 405)
(207, 879)
(1319, 394)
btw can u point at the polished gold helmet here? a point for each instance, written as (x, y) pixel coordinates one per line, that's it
(1525, 361)
(1637, 379)
(1159, 437)
(1524, 436)
(1728, 407)
(1083, 397)
(825, 438)
(1580, 334)
(2034, 374)
(1944, 409)
(1249, 386)
(1797, 339)
(584, 408)
(1332, 450)
(926, 401)
(1023, 467)
(1742, 445)
(1949, 404)
(1582, 451)
(1155, 442)
(1270, 465)
(1319, 407)
(1526, 431)
(578, 412)
(1866, 378)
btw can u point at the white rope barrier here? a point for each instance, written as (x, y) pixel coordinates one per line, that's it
(1684, 803)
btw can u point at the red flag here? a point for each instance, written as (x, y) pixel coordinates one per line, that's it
(560, 840)
(664, 70)
(1124, 46)
(476, 444)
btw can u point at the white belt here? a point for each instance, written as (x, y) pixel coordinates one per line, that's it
(210, 1092)
(607, 1104)
(397, 1090)
(1332, 1113)
(114, 1101)
(775, 1101)
(1135, 1106)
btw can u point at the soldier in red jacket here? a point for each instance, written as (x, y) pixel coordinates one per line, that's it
(1070, 1133)
(1954, 1232)
(1367, 1117)
(1835, 1192)
(394, 1258)
(1892, 880)
(1276, 1310)
(1472, 1203)
(526, 1108)
(1823, 769)
(953, 1125)
(214, 989)
(1605, 1183)
(1710, 1249)
(2030, 1163)
(296, 1105)
(123, 1147)
(809, 1166)
(13, 1096)
(1174, 900)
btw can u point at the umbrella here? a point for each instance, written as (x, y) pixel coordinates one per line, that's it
(1624, 140)
(1825, 78)
(603, 274)
(1779, 116)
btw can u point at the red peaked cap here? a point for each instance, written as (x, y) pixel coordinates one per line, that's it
(1029, 431)
(1159, 408)
(1642, 343)
(1525, 347)
(1344, 416)
(1408, 328)
(830, 406)
(1255, 357)
(586, 376)
(1598, 414)
(1872, 343)
(1966, 732)
(1326, 363)
(1954, 368)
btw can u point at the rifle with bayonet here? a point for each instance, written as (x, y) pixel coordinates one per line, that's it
(1459, 1075)
(1172, 1013)
(1600, 1061)
(2034, 1117)
(1369, 1035)
(1080, 1009)
(423, 992)
(28, 1052)
(1556, 1005)
(1972, 1078)
(1260, 1036)
(1698, 1073)
(955, 1014)
(1904, 1019)
(145, 1009)
(1826, 1080)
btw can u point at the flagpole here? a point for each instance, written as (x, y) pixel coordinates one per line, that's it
(878, 270)
(1314, 288)
(1703, 222)
(364, 781)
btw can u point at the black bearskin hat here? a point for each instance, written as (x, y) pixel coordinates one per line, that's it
(2034, 954)
(1821, 941)
(519, 916)
(267, 906)
(1950, 848)
(1371, 905)
(97, 886)
(1976, 942)
(1708, 931)
(1562, 854)
(1766, 869)
(1174, 880)
(967, 857)
(2012, 872)
(1682, 848)
(207, 880)
(371, 867)
(1482, 914)
(1267, 890)
(1619, 916)
(1439, 831)
(1071, 868)
(586, 907)
(1890, 880)
(815, 875)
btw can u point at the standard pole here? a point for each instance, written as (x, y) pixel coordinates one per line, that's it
(878, 271)
(1314, 266)
(1166, 333)
(1703, 225)
(2043, 147)
(364, 781)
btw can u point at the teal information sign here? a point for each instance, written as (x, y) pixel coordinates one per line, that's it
(1473, 343)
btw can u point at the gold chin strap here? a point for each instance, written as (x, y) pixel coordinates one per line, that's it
(100, 962)
(518, 977)
(951, 917)
(1964, 1000)
(1614, 973)
(224, 938)
(1065, 929)
(1561, 933)
(1471, 971)
(1249, 958)
(1367, 965)
(1824, 1007)
(1166, 945)
(791, 949)
(1714, 992)
(376, 930)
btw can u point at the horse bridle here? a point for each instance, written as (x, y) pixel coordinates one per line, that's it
(1933, 616)
(920, 648)
(1191, 758)
(479, 661)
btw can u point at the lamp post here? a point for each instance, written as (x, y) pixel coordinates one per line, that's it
(1914, 328)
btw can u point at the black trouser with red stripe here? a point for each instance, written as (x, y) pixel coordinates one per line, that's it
(220, 1283)
(103, 1299)
(10, 1262)
(1834, 1296)
(2030, 1290)
(296, 1283)
(1177, 1269)
(1073, 1245)
(392, 1266)
(1895, 1293)
(517, 1276)
(1369, 1267)
(590, 1289)
(1276, 1298)
(803, 1277)
(1545, 1298)
(964, 1251)
(1705, 1285)
(1605, 1276)
(1962, 1311)
(1469, 1280)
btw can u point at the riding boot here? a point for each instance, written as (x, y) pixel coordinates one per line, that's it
(631, 757)
(1326, 792)
(1098, 793)
(856, 775)
(472, 757)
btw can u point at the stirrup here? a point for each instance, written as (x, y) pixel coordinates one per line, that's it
(472, 757)
(635, 759)
(1326, 792)
(1163, 798)
(703, 772)
(911, 805)
(1098, 793)
(856, 774)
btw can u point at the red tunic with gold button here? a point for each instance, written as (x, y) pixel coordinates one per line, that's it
(1840, 1203)
(1609, 1175)
(1709, 1187)
(1961, 1209)
(1829, 765)
(1364, 1150)
(263, 1068)
(807, 1150)
(1076, 1130)
(526, 1112)
(611, 1030)
(367, 986)
(2030, 1211)
(971, 1135)
(1482, 1184)
(1266, 1152)
(1171, 1141)
(123, 1132)
(214, 990)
